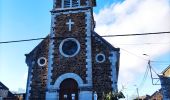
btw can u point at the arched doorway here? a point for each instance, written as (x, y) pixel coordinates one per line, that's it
(68, 90)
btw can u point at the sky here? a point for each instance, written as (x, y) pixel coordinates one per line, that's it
(26, 19)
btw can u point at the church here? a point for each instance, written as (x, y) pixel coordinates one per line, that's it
(73, 62)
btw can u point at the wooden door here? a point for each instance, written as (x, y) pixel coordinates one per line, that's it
(69, 90)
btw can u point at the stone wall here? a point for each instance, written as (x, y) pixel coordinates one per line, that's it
(167, 73)
(39, 73)
(102, 82)
(165, 84)
(76, 64)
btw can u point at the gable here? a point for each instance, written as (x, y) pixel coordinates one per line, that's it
(37, 75)
(166, 72)
(95, 35)
(157, 95)
(106, 46)
(42, 45)
(4, 91)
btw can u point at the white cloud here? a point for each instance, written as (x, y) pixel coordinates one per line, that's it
(134, 17)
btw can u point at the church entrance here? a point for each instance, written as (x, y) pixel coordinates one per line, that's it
(68, 90)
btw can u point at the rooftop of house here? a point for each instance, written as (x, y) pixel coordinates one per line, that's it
(166, 72)
(2, 86)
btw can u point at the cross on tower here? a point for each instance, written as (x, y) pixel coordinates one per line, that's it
(70, 23)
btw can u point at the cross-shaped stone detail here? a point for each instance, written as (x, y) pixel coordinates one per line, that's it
(69, 23)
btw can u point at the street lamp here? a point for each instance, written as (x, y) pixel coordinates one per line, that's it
(137, 90)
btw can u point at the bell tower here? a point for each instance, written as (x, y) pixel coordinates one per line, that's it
(70, 50)
(73, 62)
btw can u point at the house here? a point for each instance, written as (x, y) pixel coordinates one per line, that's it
(157, 95)
(20, 96)
(73, 62)
(165, 83)
(146, 97)
(4, 92)
(166, 72)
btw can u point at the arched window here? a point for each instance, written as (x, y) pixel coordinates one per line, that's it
(70, 3)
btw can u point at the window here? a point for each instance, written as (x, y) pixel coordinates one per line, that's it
(70, 3)
(69, 47)
(42, 61)
(100, 58)
(66, 3)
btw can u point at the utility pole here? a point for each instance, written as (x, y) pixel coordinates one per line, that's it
(137, 92)
(150, 71)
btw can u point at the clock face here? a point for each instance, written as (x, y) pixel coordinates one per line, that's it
(69, 47)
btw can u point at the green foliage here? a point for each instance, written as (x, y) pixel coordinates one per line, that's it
(113, 96)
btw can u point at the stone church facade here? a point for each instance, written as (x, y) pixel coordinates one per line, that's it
(73, 62)
(165, 83)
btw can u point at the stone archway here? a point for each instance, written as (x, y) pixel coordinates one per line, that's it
(68, 90)
(53, 92)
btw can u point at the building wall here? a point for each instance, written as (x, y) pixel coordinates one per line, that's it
(38, 74)
(157, 96)
(76, 64)
(165, 84)
(101, 71)
(90, 75)
(167, 73)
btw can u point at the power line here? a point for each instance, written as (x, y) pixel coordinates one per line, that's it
(144, 78)
(163, 43)
(154, 61)
(123, 35)
(136, 34)
(142, 57)
(133, 54)
(21, 40)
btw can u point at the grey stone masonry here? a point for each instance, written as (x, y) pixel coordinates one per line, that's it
(165, 84)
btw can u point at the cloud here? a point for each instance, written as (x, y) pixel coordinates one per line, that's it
(134, 17)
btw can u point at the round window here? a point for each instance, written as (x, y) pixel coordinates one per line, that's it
(100, 58)
(69, 47)
(42, 61)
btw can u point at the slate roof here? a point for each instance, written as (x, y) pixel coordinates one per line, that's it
(2, 86)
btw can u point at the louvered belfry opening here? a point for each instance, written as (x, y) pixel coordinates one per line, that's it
(71, 3)
(75, 3)
(67, 3)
